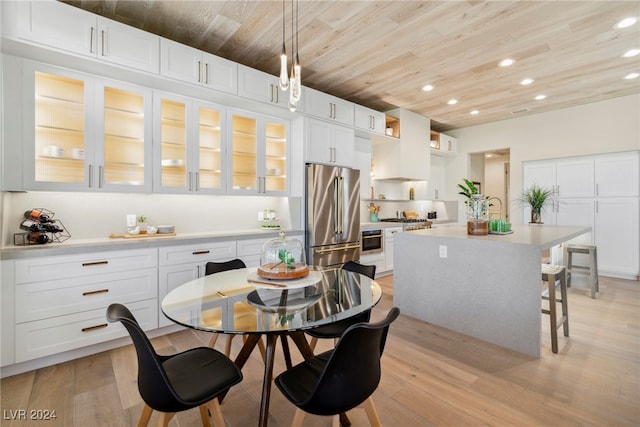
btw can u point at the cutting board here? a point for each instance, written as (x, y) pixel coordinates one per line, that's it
(139, 236)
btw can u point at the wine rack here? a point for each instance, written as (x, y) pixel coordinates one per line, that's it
(42, 227)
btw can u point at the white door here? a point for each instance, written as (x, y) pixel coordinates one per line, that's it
(617, 235)
(574, 178)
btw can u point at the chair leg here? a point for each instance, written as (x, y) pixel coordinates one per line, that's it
(313, 343)
(204, 415)
(553, 316)
(335, 421)
(145, 416)
(216, 412)
(372, 414)
(227, 346)
(298, 418)
(164, 418)
(212, 341)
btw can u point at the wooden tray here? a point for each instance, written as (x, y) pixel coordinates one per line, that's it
(139, 236)
(284, 273)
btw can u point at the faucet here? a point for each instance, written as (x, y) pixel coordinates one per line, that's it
(491, 198)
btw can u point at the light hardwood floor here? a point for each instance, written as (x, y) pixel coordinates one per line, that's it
(431, 376)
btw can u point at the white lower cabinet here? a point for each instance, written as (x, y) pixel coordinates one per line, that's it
(389, 235)
(374, 259)
(62, 300)
(617, 236)
(181, 264)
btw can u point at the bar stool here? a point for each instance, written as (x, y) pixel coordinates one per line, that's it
(552, 274)
(590, 270)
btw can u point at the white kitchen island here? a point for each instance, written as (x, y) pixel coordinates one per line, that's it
(487, 287)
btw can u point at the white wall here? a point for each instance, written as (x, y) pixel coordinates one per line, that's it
(600, 127)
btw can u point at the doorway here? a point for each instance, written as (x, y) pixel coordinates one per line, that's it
(491, 169)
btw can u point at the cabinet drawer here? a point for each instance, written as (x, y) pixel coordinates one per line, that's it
(52, 298)
(99, 263)
(50, 336)
(201, 253)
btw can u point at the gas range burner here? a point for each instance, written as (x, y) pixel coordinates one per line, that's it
(402, 220)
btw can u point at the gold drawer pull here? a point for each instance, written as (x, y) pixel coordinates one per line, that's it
(100, 291)
(87, 264)
(200, 252)
(91, 328)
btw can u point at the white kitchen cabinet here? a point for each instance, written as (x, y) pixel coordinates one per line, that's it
(328, 107)
(190, 65)
(190, 145)
(263, 87)
(616, 175)
(181, 264)
(250, 250)
(329, 143)
(389, 235)
(63, 299)
(369, 120)
(362, 162)
(617, 236)
(442, 144)
(375, 259)
(84, 133)
(258, 154)
(436, 185)
(65, 27)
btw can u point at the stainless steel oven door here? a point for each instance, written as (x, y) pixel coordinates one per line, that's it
(372, 241)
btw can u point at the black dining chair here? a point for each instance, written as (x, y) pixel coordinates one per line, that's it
(335, 330)
(170, 384)
(341, 379)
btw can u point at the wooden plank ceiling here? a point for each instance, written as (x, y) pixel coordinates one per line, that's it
(380, 53)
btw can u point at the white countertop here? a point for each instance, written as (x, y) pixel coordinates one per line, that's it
(74, 246)
(541, 235)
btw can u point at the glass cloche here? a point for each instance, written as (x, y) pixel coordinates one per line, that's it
(283, 258)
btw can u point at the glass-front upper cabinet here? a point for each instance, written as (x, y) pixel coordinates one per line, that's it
(189, 145)
(85, 134)
(259, 153)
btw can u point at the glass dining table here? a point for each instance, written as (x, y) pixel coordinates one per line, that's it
(242, 303)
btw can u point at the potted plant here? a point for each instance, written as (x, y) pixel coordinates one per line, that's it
(536, 198)
(477, 208)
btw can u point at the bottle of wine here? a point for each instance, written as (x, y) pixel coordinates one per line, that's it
(36, 215)
(38, 238)
(31, 225)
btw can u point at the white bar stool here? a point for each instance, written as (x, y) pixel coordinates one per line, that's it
(552, 274)
(590, 270)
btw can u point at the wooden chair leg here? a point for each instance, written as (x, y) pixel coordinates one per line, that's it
(204, 415)
(164, 418)
(313, 343)
(212, 341)
(145, 416)
(227, 346)
(298, 417)
(372, 414)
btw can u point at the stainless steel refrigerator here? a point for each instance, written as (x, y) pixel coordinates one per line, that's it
(332, 207)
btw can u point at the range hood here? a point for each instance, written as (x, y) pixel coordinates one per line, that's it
(406, 158)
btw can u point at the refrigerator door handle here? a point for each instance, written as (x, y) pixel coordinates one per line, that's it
(341, 248)
(338, 195)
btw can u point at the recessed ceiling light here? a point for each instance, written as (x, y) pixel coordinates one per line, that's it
(427, 88)
(474, 112)
(540, 97)
(631, 52)
(626, 22)
(452, 102)
(526, 82)
(506, 62)
(632, 76)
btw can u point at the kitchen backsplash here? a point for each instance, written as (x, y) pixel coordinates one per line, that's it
(89, 215)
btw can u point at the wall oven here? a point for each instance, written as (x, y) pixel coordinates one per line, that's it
(372, 241)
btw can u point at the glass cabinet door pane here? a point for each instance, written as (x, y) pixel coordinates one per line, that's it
(59, 129)
(276, 157)
(173, 144)
(210, 166)
(123, 137)
(244, 143)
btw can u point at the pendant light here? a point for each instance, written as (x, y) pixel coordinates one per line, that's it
(284, 78)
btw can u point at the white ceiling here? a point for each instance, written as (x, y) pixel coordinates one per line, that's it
(380, 53)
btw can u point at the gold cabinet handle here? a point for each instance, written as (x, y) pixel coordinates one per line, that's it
(100, 291)
(200, 252)
(89, 264)
(93, 328)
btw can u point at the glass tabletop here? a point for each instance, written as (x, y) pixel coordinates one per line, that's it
(228, 302)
